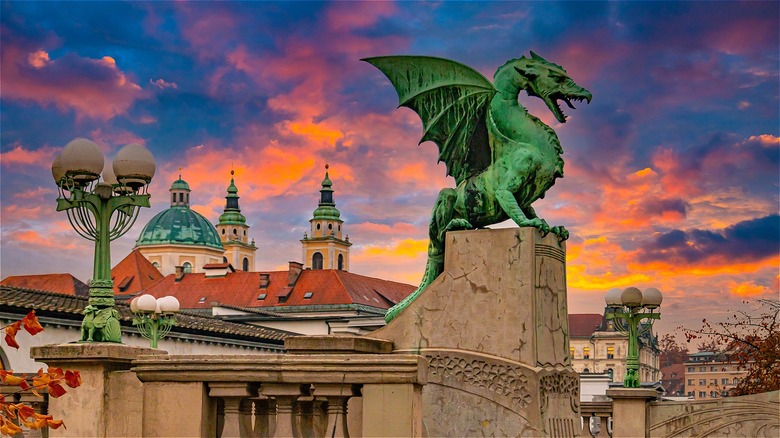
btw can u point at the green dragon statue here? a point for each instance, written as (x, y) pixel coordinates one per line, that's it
(502, 158)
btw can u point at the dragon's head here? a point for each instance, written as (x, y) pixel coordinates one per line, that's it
(549, 82)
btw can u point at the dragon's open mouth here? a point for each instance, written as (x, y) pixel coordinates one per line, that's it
(552, 102)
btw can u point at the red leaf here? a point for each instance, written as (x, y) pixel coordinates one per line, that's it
(55, 373)
(56, 390)
(10, 334)
(31, 323)
(55, 424)
(73, 378)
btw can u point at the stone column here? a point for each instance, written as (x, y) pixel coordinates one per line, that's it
(494, 328)
(233, 394)
(629, 411)
(109, 400)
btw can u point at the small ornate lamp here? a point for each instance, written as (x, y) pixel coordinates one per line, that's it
(154, 317)
(626, 309)
(102, 211)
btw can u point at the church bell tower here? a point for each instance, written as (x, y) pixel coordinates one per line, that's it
(324, 247)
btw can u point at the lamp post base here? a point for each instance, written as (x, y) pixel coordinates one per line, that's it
(101, 319)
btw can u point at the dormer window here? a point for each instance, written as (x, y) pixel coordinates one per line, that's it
(308, 295)
(202, 300)
(261, 297)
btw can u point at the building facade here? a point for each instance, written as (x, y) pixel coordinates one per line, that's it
(596, 347)
(710, 375)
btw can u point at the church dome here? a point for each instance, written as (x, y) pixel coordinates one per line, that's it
(179, 225)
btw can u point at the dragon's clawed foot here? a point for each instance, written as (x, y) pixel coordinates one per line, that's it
(536, 222)
(561, 232)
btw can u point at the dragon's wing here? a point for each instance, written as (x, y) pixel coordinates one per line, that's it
(452, 101)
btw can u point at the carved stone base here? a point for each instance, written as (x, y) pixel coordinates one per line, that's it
(494, 328)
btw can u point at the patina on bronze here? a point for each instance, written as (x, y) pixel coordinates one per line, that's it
(502, 158)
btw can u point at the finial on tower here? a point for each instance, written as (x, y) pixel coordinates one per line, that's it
(180, 173)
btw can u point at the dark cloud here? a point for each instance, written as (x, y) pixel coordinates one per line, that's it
(746, 241)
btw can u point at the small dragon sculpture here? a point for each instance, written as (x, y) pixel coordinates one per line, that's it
(502, 158)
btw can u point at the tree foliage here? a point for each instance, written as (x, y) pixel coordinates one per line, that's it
(752, 341)
(671, 352)
(15, 415)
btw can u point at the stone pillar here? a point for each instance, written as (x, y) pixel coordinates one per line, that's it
(629, 411)
(392, 410)
(109, 400)
(494, 328)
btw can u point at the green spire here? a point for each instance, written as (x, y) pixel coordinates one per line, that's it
(327, 208)
(232, 214)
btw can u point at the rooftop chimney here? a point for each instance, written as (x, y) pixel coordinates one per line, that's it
(294, 273)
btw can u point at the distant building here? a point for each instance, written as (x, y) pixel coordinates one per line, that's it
(61, 316)
(325, 248)
(597, 347)
(710, 375)
(59, 283)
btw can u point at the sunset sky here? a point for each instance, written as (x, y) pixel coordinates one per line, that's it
(672, 171)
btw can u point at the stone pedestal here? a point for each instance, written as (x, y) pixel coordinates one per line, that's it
(109, 401)
(629, 410)
(494, 328)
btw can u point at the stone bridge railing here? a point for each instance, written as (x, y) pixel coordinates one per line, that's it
(328, 386)
(596, 418)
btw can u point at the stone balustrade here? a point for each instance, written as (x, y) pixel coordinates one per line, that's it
(341, 390)
(596, 418)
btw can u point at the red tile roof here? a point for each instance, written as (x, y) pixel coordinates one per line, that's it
(327, 287)
(134, 274)
(60, 283)
(584, 324)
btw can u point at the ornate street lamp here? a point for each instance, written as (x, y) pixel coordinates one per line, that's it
(154, 317)
(626, 310)
(102, 211)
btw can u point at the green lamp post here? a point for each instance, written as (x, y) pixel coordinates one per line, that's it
(154, 317)
(102, 209)
(626, 309)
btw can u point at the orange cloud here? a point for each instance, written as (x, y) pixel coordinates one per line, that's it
(35, 239)
(747, 289)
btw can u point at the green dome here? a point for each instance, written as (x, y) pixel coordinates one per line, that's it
(180, 184)
(179, 225)
(326, 210)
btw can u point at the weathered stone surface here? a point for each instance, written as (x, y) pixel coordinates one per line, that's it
(109, 398)
(335, 344)
(756, 415)
(494, 329)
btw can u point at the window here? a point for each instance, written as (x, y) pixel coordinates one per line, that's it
(245, 264)
(188, 268)
(702, 369)
(316, 261)
(702, 382)
(586, 353)
(308, 295)
(330, 226)
(173, 198)
(610, 373)
(585, 370)
(341, 262)
(202, 300)
(713, 381)
(223, 231)
(156, 265)
(735, 381)
(318, 226)
(713, 369)
(610, 352)
(244, 233)
(224, 259)
(571, 352)
(690, 382)
(702, 394)
(691, 393)
(724, 381)
(690, 369)
(713, 394)
(261, 297)
(181, 197)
